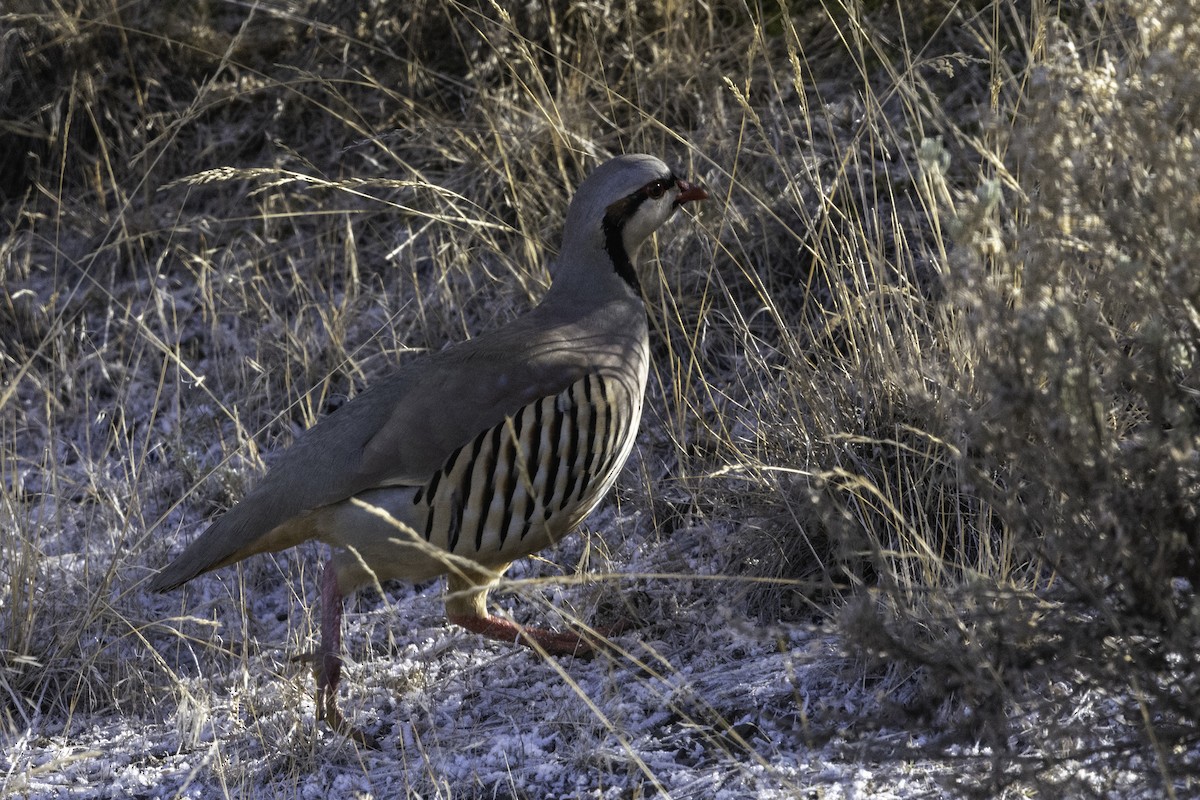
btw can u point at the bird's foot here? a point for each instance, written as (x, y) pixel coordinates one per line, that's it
(327, 710)
(556, 643)
(622, 625)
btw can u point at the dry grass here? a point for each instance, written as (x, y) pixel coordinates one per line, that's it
(925, 371)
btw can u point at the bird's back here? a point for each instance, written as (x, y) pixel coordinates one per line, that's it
(525, 402)
(491, 448)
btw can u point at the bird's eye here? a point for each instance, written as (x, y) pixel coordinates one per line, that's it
(657, 189)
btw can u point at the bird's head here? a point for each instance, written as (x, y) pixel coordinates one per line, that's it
(620, 204)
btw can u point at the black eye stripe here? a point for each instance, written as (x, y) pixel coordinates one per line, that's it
(624, 209)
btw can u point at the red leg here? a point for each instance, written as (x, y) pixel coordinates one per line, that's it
(329, 659)
(466, 605)
(553, 642)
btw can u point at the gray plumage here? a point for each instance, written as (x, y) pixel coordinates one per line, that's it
(399, 432)
(489, 450)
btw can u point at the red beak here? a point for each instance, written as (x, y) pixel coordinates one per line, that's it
(689, 192)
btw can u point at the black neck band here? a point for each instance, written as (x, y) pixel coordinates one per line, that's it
(614, 242)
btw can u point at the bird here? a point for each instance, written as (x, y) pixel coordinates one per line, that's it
(463, 460)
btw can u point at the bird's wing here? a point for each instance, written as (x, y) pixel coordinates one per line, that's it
(398, 432)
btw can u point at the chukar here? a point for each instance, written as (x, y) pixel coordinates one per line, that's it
(463, 460)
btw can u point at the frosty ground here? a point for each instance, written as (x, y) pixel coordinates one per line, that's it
(912, 512)
(700, 703)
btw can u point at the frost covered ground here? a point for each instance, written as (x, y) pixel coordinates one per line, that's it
(701, 704)
(913, 510)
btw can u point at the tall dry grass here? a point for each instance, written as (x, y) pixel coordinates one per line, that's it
(927, 359)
